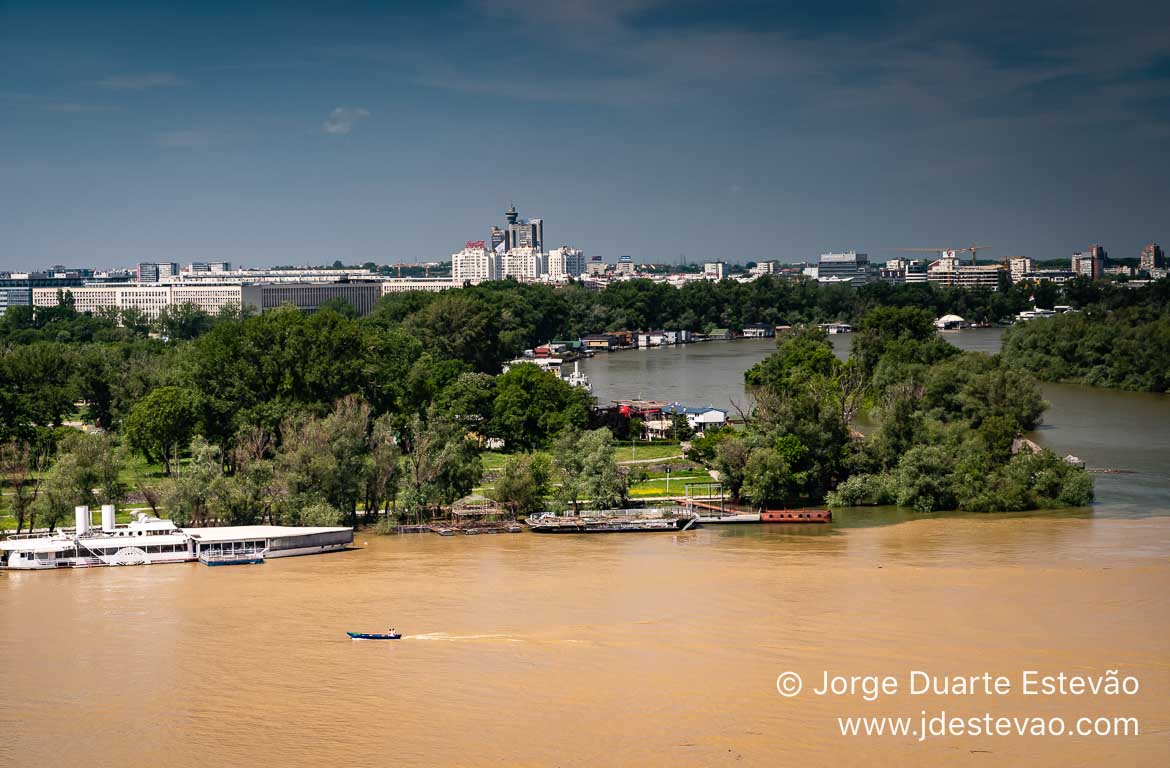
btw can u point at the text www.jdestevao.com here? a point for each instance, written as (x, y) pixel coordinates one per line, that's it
(941, 725)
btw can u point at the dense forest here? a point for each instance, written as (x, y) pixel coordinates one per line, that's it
(287, 416)
(945, 425)
(1117, 338)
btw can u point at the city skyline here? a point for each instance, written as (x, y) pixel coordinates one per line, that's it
(353, 133)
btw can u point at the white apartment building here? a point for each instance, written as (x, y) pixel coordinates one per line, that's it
(565, 262)
(474, 264)
(765, 268)
(715, 270)
(1019, 266)
(949, 271)
(522, 263)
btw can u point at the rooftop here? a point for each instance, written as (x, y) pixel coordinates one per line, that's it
(238, 532)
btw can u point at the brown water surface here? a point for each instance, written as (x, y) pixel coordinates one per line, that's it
(657, 649)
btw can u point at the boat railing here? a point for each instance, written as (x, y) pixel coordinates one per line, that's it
(229, 556)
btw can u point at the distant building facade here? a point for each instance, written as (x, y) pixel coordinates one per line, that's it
(16, 288)
(566, 262)
(841, 267)
(1090, 263)
(426, 284)
(625, 266)
(522, 263)
(596, 267)
(715, 270)
(474, 264)
(211, 298)
(1152, 258)
(1018, 266)
(950, 271)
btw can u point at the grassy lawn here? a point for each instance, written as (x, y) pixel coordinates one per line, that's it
(658, 487)
(641, 451)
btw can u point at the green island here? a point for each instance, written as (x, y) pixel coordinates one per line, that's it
(286, 417)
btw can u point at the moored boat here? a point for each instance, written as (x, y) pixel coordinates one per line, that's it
(148, 540)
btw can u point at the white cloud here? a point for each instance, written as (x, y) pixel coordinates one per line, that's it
(342, 119)
(139, 82)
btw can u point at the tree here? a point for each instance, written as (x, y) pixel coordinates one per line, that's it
(182, 321)
(161, 424)
(191, 495)
(523, 483)
(924, 479)
(440, 465)
(85, 472)
(589, 470)
(731, 461)
(21, 468)
(385, 468)
(327, 459)
(532, 406)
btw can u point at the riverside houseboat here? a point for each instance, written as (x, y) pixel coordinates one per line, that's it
(150, 540)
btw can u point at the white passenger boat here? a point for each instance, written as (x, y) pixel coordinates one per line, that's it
(150, 540)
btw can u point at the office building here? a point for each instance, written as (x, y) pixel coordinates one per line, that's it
(566, 262)
(1019, 266)
(518, 233)
(850, 266)
(426, 284)
(625, 266)
(147, 273)
(949, 271)
(307, 297)
(596, 267)
(16, 288)
(152, 272)
(715, 270)
(1152, 258)
(211, 298)
(1090, 263)
(498, 240)
(522, 263)
(474, 264)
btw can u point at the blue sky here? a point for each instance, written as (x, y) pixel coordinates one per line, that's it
(277, 133)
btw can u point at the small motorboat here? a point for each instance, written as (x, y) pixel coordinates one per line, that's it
(391, 635)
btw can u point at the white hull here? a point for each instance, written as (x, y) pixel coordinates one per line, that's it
(151, 541)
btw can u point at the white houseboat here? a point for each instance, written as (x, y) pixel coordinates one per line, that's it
(150, 540)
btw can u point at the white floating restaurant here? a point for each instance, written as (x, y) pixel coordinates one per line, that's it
(148, 540)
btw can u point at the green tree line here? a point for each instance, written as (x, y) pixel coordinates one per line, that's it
(944, 426)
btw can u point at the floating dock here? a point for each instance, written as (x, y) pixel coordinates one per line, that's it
(712, 509)
(609, 524)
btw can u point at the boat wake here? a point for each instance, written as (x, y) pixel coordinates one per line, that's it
(458, 638)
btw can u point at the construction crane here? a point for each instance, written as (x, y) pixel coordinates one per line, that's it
(951, 252)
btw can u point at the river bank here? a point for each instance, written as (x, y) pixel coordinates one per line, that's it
(1105, 427)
